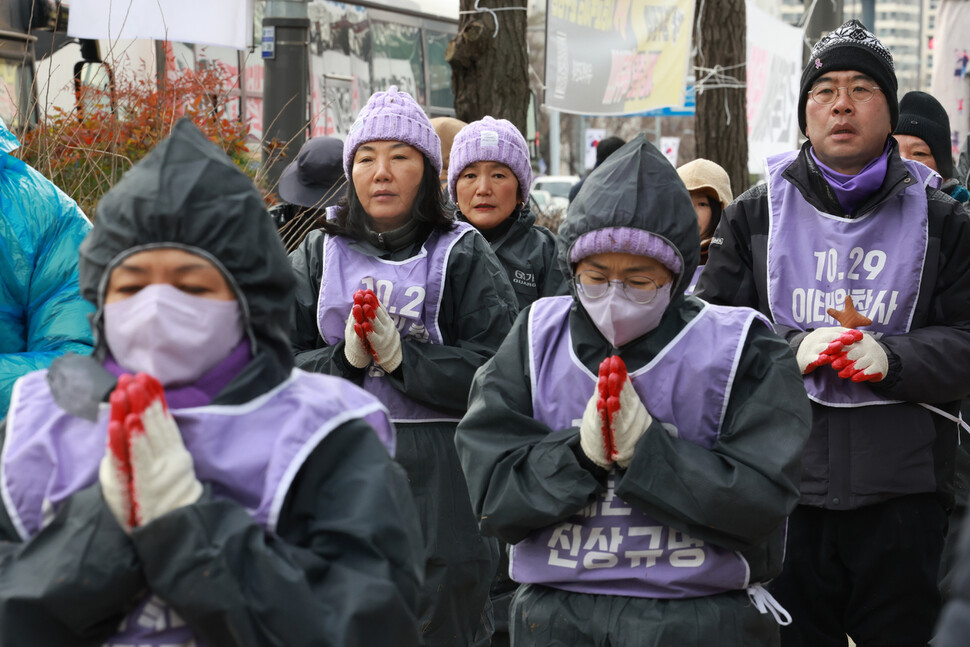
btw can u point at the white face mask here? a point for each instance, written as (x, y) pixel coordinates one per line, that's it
(173, 336)
(622, 320)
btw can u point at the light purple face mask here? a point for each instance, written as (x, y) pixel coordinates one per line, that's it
(621, 320)
(173, 336)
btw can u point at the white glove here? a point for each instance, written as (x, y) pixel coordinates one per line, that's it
(372, 331)
(629, 424)
(160, 470)
(615, 418)
(822, 345)
(595, 438)
(385, 340)
(864, 360)
(355, 350)
(115, 470)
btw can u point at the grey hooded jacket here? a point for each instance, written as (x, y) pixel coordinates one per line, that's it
(523, 475)
(344, 565)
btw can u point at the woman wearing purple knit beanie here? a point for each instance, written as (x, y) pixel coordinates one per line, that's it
(489, 179)
(395, 295)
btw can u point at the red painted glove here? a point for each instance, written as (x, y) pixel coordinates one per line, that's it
(364, 311)
(823, 345)
(615, 418)
(865, 360)
(376, 331)
(612, 376)
(357, 349)
(146, 472)
(115, 470)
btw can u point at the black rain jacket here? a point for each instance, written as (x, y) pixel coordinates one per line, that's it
(524, 476)
(343, 568)
(529, 255)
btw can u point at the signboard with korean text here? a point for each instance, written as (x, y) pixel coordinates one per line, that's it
(617, 57)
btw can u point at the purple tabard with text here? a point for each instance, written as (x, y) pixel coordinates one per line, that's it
(816, 259)
(609, 547)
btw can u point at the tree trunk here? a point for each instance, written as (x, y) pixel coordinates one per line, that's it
(721, 114)
(490, 76)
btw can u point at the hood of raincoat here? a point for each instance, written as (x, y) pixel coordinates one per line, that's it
(188, 194)
(635, 187)
(8, 142)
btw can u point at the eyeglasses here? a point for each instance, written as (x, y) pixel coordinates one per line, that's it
(827, 93)
(595, 285)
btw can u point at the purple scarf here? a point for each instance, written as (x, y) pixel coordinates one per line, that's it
(206, 387)
(852, 190)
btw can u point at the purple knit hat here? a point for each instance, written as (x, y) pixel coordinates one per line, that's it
(393, 116)
(626, 240)
(490, 140)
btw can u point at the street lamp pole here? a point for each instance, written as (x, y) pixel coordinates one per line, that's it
(285, 52)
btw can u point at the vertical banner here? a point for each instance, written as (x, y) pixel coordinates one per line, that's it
(951, 67)
(209, 22)
(670, 147)
(617, 57)
(593, 138)
(773, 73)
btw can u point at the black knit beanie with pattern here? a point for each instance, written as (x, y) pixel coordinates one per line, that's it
(851, 47)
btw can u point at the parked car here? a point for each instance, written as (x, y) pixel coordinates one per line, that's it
(549, 210)
(557, 185)
(540, 199)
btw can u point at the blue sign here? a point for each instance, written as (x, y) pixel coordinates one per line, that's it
(269, 42)
(687, 110)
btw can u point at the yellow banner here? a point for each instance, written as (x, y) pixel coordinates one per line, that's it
(615, 57)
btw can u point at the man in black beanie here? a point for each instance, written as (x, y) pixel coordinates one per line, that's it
(923, 134)
(844, 227)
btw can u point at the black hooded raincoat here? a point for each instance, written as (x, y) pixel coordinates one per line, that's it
(344, 566)
(524, 476)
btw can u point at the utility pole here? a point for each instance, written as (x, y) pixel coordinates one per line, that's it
(285, 39)
(869, 14)
(826, 16)
(555, 144)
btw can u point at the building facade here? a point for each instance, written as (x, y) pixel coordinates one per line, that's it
(905, 26)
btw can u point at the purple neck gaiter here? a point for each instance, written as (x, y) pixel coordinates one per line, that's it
(207, 387)
(852, 190)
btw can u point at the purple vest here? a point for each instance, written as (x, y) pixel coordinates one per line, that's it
(610, 548)
(927, 176)
(815, 259)
(249, 453)
(693, 280)
(410, 290)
